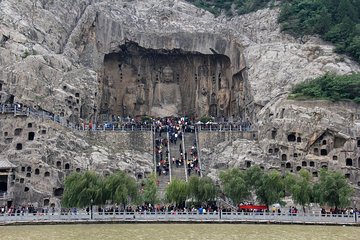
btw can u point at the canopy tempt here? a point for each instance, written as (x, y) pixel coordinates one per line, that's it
(253, 207)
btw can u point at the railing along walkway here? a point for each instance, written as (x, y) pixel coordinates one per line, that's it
(185, 216)
(18, 110)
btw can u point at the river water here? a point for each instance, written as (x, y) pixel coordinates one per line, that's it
(178, 231)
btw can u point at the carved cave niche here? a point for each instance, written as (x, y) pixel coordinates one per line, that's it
(323, 152)
(270, 150)
(335, 158)
(298, 168)
(349, 162)
(18, 131)
(31, 136)
(58, 164)
(288, 165)
(248, 164)
(304, 163)
(30, 125)
(347, 175)
(312, 164)
(316, 151)
(139, 176)
(358, 162)
(291, 137)
(273, 134)
(298, 139)
(37, 171)
(139, 81)
(47, 174)
(46, 202)
(19, 146)
(358, 143)
(315, 174)
(283, 157)
(58, 192)
(67, 166)
(339, 142)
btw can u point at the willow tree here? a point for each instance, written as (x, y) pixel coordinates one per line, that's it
(120, 188)
(300, 187)
(177, 192)
(269, 188)
(234, 185)
(149, 193)
(202, 189)
(82, 189)
(333, 189)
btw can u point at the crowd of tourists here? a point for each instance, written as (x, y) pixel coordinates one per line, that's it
(24, 209)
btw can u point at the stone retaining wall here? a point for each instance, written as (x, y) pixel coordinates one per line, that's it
(209, 139)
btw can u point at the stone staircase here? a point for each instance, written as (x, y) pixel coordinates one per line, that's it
(189, 141)
(162, 179)
(177, 172)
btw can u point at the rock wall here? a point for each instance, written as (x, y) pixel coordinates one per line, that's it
(44, 152)
(63, 57)
(210, 139)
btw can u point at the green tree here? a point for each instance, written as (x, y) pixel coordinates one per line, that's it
(253, 177)
(333, 189)
(234, 185)
(201, 189)
(300, 187)
(81, 188)
(177, 192)
(270, 188)
(149, 194)
(121, 188)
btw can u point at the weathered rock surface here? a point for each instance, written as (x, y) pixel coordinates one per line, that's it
(55, 55)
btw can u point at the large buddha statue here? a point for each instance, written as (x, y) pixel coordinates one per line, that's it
(167, 97)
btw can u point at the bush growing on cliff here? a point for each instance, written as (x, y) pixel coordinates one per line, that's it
(329, 87)
(335, 21)
(231, 6)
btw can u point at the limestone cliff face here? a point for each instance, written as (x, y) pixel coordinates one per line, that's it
(92, 59)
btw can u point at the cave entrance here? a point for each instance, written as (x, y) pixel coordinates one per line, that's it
(159, 82)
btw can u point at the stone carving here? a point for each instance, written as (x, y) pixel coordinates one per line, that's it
(129, 100)
(167, 96)
(134, 100)
(203, 98)
(223, 98)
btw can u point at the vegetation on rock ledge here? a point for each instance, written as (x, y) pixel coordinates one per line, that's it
(329, 87)
(231, 7)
